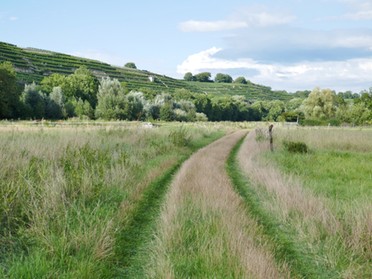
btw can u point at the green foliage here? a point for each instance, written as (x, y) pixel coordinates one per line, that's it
(290, 116)
(83, 109)
(223, 78)
(166, 112)
(295, 147)
(180, 136)
(320, 104)
(136, 104)
(203, 77)
(112, 100)
(189, 77)
(183, 94)
(9, 93)
(34, 102)
(54, 80)
(240, 80)
(55, 107)
(82, 84)
(269, 110)
(130, 65)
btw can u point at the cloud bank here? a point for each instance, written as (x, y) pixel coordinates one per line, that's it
(353, 73)
(281, 50)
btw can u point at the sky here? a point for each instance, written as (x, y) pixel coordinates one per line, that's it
(287, 45)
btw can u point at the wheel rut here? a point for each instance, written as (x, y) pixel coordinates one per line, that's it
(204, 229)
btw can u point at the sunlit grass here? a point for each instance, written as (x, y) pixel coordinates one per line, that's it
(204, 230)
(66, 190)
(320, 199)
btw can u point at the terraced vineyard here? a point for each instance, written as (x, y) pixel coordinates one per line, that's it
(34, 64)
(251, 90)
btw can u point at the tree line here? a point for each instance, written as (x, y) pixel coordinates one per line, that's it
(207, 77)
(83, 95)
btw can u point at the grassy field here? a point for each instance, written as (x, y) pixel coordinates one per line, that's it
(316, 207)
(203, 231)
(69, 193)
(120, 200)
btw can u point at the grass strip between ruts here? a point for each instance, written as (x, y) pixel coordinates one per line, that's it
(139, 230)
(301, 264)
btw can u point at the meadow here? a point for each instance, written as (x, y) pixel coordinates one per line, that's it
(315, 206)
(68, 192)
(175, 200)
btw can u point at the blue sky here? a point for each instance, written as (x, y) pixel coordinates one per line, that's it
(290, 45)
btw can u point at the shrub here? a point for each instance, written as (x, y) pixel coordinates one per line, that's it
(295, 147)
(180, 137)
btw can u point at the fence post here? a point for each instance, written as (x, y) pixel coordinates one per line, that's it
(271, 137)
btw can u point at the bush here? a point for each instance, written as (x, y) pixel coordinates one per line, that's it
(180, 137)
(295, 147)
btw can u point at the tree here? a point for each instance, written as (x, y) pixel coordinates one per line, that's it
(55, 105)
(81, 84)
(166, 112)
(203, 77)
(33, 101)
(223, 78)
(9, 93)
(112, 101)
(294, 104)
(52, 81)
(203, 104)
(130, 65)
(241, 80)
(189, 77)
(182, 94)
(136, 104)
(83, 109)
(320, 104)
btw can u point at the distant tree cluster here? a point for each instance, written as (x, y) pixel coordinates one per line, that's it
(130, 65)
(207, 77)
(9, 92)
(82, 95)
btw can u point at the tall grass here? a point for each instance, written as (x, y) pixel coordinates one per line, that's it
(66, 191)
(332, 231)
(204, 231)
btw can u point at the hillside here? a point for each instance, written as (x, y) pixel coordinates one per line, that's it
(33, 64)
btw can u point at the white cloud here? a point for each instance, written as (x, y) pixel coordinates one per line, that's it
(352, 74)
(13, 18)
(362, 10)
(249, 17)
(361, 15)
(210, 26)
(256, 18)
(352, 41)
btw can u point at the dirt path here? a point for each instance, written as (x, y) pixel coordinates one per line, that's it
(204, 230)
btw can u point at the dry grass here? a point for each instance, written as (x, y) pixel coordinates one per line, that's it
(287, 191)
(346, 139)
(66, 189)
(312, 216)
(204, 230)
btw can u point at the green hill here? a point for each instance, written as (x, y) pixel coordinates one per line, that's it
(34, 64)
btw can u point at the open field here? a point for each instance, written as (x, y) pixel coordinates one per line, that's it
(67, 192)
(131, 200)
(316, 206)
